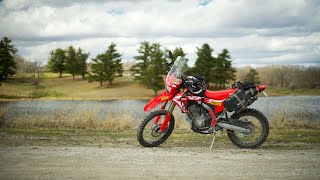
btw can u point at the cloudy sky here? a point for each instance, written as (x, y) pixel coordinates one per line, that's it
(256, 32)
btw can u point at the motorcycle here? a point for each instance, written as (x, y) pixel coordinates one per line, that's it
(206, 111)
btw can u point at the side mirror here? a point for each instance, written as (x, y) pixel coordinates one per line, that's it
(169, 64)
(171, 55)
(167, 69)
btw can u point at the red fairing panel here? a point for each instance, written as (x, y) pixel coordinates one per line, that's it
(158, 99)
(220, 95)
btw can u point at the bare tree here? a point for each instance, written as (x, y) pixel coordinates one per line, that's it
(36, 69)
(283, 75)
(20, 63)
(242, 72)
(293, 76)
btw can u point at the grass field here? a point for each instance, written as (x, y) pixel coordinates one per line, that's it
(278, 138)
(85, 129)
(52, 87)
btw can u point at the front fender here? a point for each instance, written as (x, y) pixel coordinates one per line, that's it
(158, 99)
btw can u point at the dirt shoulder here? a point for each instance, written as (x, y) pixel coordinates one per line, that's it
(135, 162)
(61, 155)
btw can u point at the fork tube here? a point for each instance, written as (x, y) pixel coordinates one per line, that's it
(172, 106)
(162, 107)
(168, 117)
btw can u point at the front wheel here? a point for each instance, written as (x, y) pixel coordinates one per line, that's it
(257, 123)
(149, 134)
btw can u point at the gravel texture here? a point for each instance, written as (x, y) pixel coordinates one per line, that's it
(135, 162)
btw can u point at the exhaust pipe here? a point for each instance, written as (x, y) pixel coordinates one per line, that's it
(232, 127)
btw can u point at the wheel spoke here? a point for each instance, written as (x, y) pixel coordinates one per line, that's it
(251, 138)
(257, 123)
(149, 134)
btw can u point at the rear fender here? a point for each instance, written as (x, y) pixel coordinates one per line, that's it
(261, 88)
(158, 99)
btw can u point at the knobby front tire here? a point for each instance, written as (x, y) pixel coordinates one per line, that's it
(148, 125)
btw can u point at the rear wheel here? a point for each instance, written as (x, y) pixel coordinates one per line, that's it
(259, 129)
(149, 134)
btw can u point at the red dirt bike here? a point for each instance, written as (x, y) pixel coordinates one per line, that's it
(206, 111)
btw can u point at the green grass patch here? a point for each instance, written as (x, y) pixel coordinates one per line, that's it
(276, 91)
(294, 135)
(43, 91)
(45, 132)
(185, 137)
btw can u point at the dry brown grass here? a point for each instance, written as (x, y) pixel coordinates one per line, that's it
(84, 120)
(304, 117)
(124, 121)
(121, 121)
(281, 122)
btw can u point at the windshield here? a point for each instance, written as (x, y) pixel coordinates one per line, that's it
(178, 68)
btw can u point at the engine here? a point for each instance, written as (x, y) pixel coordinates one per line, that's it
(198, 116)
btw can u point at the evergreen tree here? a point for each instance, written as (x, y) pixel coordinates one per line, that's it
(150, 67)
(82, 62)
(98, 69)
(205, 63)
(224, 70)
(7, 63)
(178, 51)
(72, 65)
(253, 76)
(57, 61)
(115, 58)
(105, 67)
(153, 77)
(142, 61)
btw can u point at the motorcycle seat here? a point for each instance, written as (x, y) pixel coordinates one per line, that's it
(219, 95)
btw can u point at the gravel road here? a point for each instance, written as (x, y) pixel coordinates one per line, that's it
(135, 162)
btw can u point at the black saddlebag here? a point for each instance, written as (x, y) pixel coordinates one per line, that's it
(242, 98)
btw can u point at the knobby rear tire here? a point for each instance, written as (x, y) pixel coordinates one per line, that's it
(264, 124)
(143, 124)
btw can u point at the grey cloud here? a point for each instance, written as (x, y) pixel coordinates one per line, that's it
(270, 14)
(253, 31)
(26, 4)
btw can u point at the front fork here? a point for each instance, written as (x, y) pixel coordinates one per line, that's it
(168, 116)
(162, 107)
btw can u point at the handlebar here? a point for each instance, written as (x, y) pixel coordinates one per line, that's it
(235, 85)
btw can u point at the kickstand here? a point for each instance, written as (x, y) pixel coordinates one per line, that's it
(214, 137)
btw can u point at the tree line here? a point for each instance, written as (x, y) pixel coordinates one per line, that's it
(289, 76)
(68, 60)
(105, 67)
(149, 68)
